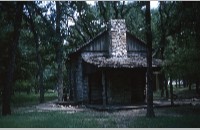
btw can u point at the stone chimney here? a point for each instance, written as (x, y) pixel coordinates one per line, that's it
(117, 47)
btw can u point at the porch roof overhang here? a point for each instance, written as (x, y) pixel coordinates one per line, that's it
(133, 61)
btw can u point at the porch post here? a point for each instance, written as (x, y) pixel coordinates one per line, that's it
(146, 87)
(104, 88)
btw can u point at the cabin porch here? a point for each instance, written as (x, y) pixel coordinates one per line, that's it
(121, 86)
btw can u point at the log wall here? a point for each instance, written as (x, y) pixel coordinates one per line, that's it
(79, 81)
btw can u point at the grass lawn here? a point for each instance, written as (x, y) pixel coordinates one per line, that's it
(171, 117)
(24, 99)
(182, 93)
(174, 117)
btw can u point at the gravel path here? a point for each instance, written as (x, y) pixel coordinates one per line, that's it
(52, 106)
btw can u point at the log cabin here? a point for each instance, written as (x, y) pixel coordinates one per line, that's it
(110, 69)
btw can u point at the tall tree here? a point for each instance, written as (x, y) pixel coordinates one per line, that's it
(6, 110)
(38, 56)
(150, 111)
(162, 42)
(59, 52)
(171, 91)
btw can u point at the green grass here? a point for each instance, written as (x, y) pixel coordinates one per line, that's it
(24, 100)
(182, 93)
(185, 92)
(46, 120)
(167, 122)
(174, 117)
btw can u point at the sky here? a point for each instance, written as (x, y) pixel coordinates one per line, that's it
(154, 4)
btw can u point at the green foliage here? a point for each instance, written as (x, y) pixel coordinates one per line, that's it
(176, 38)
(22, 86)
(87, 23)
(135, 20)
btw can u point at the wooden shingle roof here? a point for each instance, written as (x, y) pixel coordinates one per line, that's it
(134, 61)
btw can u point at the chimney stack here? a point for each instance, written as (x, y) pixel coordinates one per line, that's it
(117, 47)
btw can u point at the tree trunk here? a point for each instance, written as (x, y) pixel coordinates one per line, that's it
(116, 12)
(179, 82)
(197, 86)
(162, 44)
(71, 97)
(162, 85)
(121, 10)
(6, 110)
(171, 92)
(166, 88)
(163, 31)
(190, 85)
(150, 111)
(41, 86)
(38, 59)
(103, 11)
(59, 53)
(36, 90)
(184, 83)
